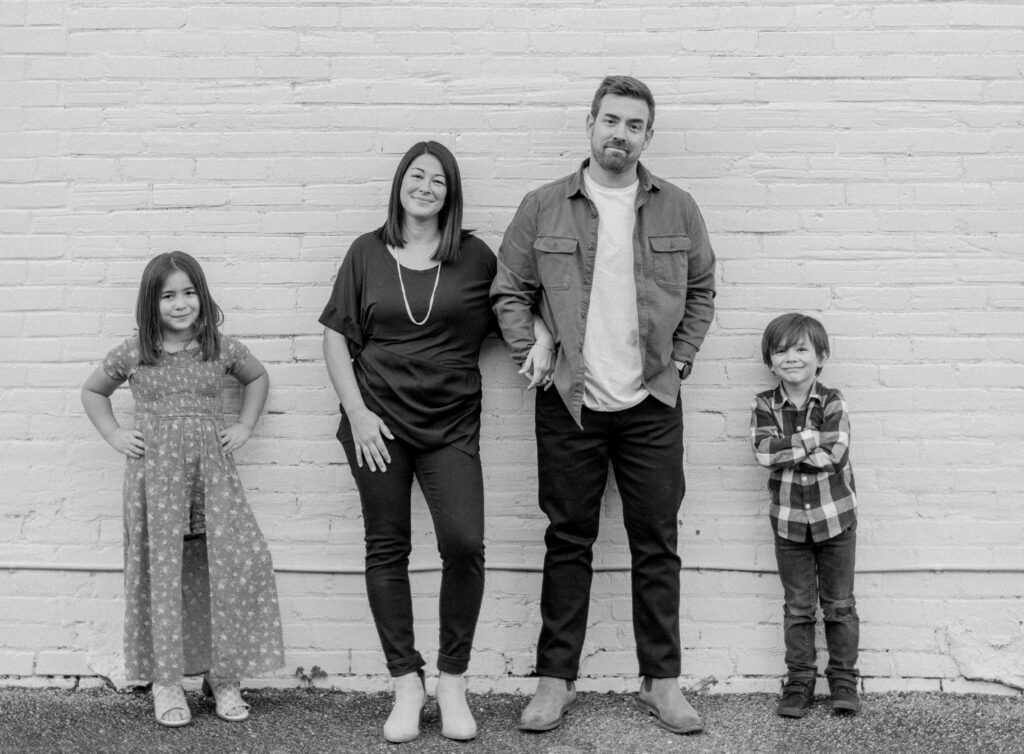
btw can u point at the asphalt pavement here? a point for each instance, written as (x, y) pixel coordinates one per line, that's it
(309, 721)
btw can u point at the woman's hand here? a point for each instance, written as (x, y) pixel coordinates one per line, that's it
(127, 442)
(368, 433)
(539, 366)
(234, 437)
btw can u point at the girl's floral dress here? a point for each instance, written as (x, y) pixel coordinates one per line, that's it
(193, 603)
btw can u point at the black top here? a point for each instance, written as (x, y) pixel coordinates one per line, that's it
(423, 381)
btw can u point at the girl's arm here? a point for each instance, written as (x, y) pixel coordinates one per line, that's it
(96, 394)
(255, 386)
(368, 429)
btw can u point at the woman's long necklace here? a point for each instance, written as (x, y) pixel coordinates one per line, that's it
(405, 298)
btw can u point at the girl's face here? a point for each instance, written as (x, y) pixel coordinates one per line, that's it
(179, 306)
(423, 188)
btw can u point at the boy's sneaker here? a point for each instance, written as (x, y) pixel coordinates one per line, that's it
(843, 698)
(797, 696)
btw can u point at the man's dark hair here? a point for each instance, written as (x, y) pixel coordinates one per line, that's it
(624, 86)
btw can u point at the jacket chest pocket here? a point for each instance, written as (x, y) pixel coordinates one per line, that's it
(555, 259)
(670, 260)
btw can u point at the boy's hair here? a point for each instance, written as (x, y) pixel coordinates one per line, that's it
(623, 86)
(147, 307)
(449, 220)
(784, 331)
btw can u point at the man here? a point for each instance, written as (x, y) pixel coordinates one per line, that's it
(617, 263)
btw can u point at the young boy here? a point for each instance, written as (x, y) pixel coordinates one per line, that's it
(801, 431)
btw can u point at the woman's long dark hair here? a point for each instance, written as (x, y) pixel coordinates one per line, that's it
(147, 307)
(449, 220)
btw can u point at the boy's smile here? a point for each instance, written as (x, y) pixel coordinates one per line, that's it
(797, 366)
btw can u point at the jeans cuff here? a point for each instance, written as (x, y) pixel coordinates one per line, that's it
(452, 665)
(406, 665)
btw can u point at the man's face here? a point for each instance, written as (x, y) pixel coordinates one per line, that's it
(619, 133)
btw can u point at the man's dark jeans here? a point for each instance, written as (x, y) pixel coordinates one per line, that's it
(820, 570)
(645, 447)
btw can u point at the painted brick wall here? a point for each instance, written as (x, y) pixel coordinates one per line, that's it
(862, 161)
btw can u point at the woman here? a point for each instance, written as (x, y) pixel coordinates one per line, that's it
(402, 337)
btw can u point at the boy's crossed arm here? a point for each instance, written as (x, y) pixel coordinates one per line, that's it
(826, 449)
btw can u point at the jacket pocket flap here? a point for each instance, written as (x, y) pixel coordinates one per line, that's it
(555, 245)
(670, 243)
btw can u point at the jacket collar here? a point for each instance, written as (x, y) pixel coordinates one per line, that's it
(647, 181)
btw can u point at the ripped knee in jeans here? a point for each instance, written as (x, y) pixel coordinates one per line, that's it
(841, 610)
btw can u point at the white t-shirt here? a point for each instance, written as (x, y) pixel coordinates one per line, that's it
(612, 360)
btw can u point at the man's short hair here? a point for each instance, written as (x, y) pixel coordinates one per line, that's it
(624, 86)
(784, 331)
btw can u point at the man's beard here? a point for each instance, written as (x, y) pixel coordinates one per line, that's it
(614, 162)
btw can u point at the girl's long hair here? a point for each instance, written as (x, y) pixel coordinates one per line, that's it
(147, 307)
(449, 220)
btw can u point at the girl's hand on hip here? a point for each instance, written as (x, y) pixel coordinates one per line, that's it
(127, 442)
(368, 433)
(234, 437)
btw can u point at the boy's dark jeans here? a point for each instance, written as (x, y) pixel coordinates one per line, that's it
(813, 571)
(645, 447)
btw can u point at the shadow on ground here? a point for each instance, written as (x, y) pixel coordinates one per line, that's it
(101, 720)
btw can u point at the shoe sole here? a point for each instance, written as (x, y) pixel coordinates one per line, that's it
(544, 727)
(790, 712)
(644, 707)
(227, 719)
(401, 740)
(845, 708)
(174, 723)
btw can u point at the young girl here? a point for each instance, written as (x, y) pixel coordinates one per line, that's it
(199, 583)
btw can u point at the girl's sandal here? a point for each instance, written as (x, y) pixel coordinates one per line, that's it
(168, 699)
(228, 699)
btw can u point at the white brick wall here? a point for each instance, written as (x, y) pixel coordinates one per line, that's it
(857, 160)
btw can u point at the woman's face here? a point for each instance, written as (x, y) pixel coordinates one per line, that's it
(423, 188)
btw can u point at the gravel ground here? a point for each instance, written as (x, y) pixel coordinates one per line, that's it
(101, 720)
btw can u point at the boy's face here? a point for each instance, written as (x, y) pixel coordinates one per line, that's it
(797, 365)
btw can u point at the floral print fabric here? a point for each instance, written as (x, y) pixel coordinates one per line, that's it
(201, 603)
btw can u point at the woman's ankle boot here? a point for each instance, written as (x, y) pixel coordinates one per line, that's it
(403, 724)
(456, 720)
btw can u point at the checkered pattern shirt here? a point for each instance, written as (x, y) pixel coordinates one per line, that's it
(808, 451)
